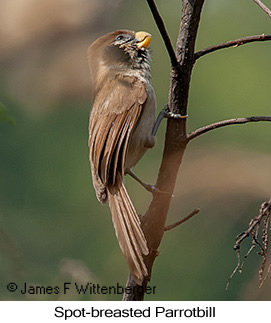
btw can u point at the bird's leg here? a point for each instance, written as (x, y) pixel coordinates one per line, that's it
(166, 113)
(161, 116)
(148, 187)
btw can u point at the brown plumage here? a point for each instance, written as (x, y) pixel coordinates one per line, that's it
(120, 130)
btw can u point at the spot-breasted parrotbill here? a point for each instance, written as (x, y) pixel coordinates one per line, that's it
(120, 130)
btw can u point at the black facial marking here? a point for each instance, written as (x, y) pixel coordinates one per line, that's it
(122, 39)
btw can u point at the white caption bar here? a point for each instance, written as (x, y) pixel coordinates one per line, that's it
(71, 312)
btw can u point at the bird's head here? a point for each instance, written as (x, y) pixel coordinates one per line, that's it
(119, 51)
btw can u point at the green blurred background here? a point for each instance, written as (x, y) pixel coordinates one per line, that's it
(52, 228)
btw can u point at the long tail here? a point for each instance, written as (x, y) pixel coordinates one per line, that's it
(128, 231)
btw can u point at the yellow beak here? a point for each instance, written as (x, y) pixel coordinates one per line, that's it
(143, 39)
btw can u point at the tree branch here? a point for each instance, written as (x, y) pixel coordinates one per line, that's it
(153, 222)
(161, 26)
(224, 123)
(263, 6)
(232, 43)
(189, 216)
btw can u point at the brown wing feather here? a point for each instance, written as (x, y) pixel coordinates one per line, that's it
(121, 149)
(112, 120)
(115, 138)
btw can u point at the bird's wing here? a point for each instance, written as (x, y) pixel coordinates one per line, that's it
(116, 110)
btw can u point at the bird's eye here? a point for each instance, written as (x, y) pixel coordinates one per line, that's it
(120, 37)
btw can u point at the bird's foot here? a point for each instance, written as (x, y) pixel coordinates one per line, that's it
(166, 113)
(170, 115)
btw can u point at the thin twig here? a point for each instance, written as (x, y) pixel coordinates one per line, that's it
(264, 209)
(232, 43)
(189, 216)
(255, 222)
(264, 251)
(161, 26)
(235, 269)
(253, 230)
(224, 123)
(263, 6)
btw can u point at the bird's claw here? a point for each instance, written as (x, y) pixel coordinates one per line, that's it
(170, 115)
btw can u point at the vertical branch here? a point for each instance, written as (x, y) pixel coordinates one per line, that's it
(180, 78)
(153, 222)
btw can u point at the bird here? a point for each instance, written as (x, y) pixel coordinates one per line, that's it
(120, 131)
